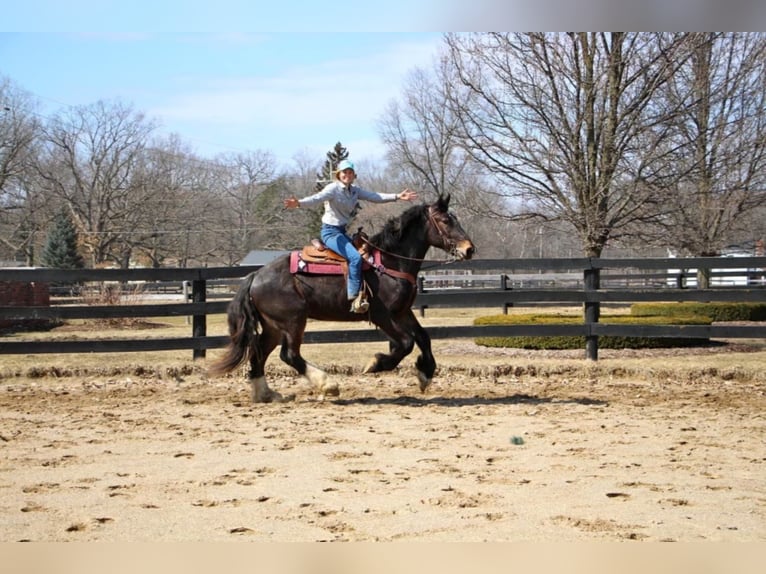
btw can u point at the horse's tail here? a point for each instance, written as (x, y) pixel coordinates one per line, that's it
(244, 322)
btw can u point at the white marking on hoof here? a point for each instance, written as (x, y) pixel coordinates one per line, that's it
(318, 378)
(262, 393)
(423, 382)
(371, 365)
(331, 390)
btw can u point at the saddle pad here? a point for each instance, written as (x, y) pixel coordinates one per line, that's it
(298, 265)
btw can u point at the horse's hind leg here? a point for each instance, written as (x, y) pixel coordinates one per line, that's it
(262, 348)
(291, 354)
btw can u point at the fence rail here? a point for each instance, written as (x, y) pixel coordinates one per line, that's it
(494, 277)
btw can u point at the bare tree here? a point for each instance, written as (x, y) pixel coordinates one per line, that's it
(420, 132)
(90, 157)
(391, 178)
(304, 175)
(21, 206)
(177, 209)
(249, 206)
(719, 143)
(18, 131)
(566, 123)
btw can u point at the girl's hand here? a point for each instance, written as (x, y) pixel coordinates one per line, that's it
(292, 203)
(408, 195)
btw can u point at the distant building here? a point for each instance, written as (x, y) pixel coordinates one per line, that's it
(261, 256)
(25, 294)
(724, 277)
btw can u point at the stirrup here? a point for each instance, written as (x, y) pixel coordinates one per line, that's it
(360, 304)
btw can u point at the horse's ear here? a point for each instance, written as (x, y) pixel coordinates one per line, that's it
(443, 202)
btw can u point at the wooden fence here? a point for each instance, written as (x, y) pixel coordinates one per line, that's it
(589, 282)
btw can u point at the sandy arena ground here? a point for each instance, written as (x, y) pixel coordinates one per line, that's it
(493, 452)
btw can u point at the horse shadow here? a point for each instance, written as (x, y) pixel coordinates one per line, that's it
(516, 399)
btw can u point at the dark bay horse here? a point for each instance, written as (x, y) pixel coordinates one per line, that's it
(273, 304)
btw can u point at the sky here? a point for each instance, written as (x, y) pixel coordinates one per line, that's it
(229, 92)
(286, 76)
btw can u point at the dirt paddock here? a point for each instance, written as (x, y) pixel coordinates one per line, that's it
(503, 447)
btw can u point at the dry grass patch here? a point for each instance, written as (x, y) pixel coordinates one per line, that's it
(736, 361)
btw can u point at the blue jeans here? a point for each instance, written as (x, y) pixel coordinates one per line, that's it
(334, 237)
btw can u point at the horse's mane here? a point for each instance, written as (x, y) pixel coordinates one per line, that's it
(395, 228)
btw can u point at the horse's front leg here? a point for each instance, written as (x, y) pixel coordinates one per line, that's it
(403, 335)
(400, 344)
(425, 363)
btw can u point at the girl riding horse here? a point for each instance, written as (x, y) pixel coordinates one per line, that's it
(341, 202)
(274, 304)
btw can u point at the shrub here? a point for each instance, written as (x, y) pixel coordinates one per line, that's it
(714, 311)
(605, 342)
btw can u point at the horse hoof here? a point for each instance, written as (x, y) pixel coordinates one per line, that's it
(274, 397)
(370, 368)
(331, 390)
(423, 382)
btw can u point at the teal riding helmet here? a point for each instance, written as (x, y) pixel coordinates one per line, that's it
(345, 164)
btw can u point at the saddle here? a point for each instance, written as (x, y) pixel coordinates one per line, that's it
(318, 252)
(317, 258)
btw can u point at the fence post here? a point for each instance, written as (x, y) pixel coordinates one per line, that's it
(422, 289)
(199, 322)
(186, 296)
(504, 287)
(591, 280)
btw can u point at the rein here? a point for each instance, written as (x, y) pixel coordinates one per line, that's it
(449, 243)
(395, 255)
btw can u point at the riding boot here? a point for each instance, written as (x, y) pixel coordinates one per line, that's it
(360, 303)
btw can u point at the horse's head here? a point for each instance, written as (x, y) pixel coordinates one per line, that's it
(446, 232)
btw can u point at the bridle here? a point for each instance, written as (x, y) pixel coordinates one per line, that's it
(450, 245)
(440, 229)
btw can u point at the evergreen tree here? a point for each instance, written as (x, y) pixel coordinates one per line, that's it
(60, 250)
(334, 157)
